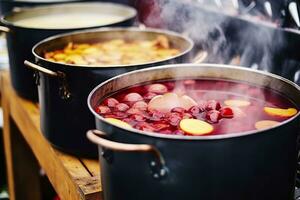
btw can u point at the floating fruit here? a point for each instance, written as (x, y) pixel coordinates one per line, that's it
(118, 122)
(157, 88)
(103, 110)
(213, 105)
(265, 124)
(110, 102)
(142, 105)
(122, 107)
(213, 116)
(168, 101)
(226, 112)
(133, 97)
(195, 127)
(280, 112)
(237, 103)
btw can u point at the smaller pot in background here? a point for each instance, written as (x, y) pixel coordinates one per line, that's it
(63, 88)
(22, 34)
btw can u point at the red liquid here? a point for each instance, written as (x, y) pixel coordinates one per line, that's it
(210, 96)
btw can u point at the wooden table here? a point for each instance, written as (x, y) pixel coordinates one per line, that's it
(27, 151)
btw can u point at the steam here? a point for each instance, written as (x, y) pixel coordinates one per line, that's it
(227, 40)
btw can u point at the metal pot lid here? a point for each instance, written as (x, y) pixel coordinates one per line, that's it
(63, 16)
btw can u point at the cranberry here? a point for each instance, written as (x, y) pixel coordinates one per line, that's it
(122, 107)
(103, 110)
(138, 118)
(149, 95)
(178, 110)
(213, 116)
(133, 97)
(133, 111)
(144, 126)
(195, 110)
(157, 88)
(226, 112)
(156, 115)
(110, 102)
(174, 119)
(213, 105)
(142, 105)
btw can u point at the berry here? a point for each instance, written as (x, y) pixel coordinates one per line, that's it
(226, 112)
(122, 107)
(110, 102)
(133, 97)
(103, 110)
(213, 116)
(157, 88)
(213, 105)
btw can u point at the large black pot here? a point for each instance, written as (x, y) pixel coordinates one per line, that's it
(63, 91)
(20, 40)
(255, 165)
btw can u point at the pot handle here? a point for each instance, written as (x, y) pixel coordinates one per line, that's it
(42, 69)
(159, 170)
(64, 91)
(4, 29)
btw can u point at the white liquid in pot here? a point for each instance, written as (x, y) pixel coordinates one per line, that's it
(65, 21)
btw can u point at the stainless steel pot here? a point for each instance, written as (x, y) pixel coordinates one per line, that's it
(63, 88)
(254, 165)
(20, 40)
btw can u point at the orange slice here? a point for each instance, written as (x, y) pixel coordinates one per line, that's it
(237, 103)
(118, 122)
(265, 124)
(279, 112)
(195, 127)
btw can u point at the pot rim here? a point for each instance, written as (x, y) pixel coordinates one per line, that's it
(111, 29)
(8, 23)
(194, 138)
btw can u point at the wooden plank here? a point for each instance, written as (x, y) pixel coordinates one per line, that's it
(92, 165)
(7, 144)
(26, 116)
(22, 179)
(73, 165)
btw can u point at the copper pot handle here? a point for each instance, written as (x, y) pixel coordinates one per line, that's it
(41, 69)
(64, 91)
(159, 170)
(4, 29)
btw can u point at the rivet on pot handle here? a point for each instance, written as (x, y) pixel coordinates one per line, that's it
(63, 90)
(159, 170)
(4, 29)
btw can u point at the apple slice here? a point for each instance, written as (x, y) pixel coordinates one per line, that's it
(195, 126)
(280, 112)
(237, 103)
(263, 124)
(118, 122)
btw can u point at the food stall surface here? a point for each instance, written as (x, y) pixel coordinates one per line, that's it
(72, 177)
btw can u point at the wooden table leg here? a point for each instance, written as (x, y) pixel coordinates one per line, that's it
(22, 167)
